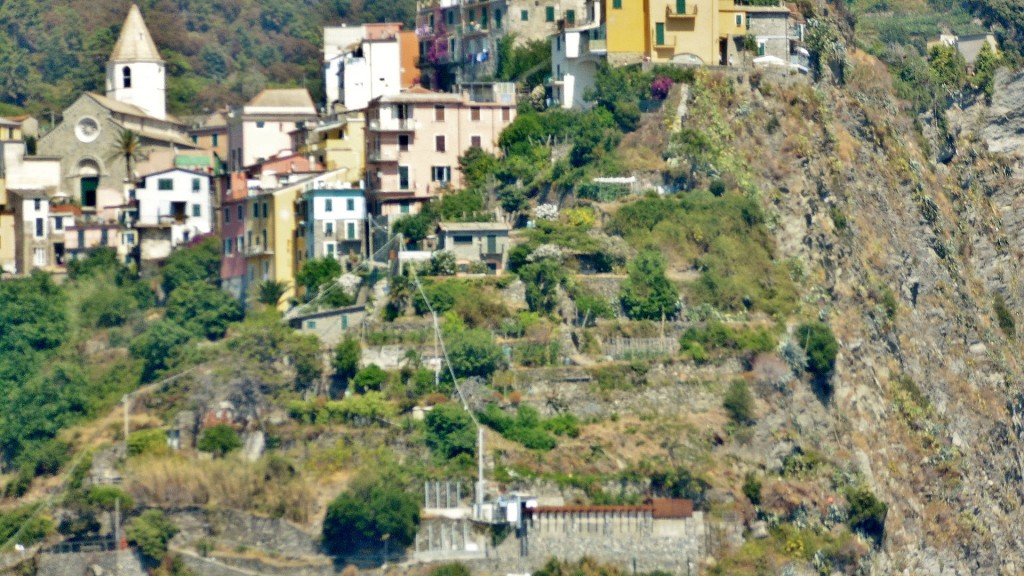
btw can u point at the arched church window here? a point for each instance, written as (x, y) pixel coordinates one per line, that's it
(126, 74)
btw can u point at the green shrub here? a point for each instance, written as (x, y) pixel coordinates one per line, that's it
(717, 335)
(867, 513)
(370, 378)
(739, 403)
(752, 488)
(1003, 316)
(679, 483)
(219, 439)
(453, 569)
(203, 309)
(105, 498)
(149, 441)
(450, 431)
(473, 353)
(151, 532)
(376, 504)
(717, 187)
(821, 347)
(647, 294)
(526, 427)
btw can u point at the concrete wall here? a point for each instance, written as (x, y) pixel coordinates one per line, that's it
(234, 528)
(122, 563)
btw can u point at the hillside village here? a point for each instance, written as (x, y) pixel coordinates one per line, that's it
(558, 286)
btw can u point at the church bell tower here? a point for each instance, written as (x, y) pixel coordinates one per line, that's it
(135, 71)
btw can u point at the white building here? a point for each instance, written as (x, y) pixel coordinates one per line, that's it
(135, 71)
(333, 222)
(262, 128)
(576, 54)
(177, 199)
(364, 62)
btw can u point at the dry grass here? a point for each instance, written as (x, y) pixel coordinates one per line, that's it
(258, 487)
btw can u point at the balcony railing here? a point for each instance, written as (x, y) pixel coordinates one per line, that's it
(393, 125)
(690, 12)
(258, 250)
(486, 252)
(382, 156)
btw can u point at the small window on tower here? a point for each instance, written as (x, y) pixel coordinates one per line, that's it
(126, 75)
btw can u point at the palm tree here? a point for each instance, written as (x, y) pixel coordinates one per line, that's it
(270, 292)
(129, 147)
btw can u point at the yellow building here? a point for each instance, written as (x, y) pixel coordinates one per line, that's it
(705, 32)
(626, 23)
(338, 144)
(273, 247)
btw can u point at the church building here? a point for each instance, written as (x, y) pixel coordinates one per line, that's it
(94, 168)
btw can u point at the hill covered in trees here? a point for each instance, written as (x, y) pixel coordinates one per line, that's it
(217, 52)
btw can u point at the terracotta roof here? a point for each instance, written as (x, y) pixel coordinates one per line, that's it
(672, 507)
(283, 98)
(135, 43)
(162, 136)
(127, 109)
(66, 209)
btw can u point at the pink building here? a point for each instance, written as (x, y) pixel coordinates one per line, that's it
(232, 232)
(414, 141)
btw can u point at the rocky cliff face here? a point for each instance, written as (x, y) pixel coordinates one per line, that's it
(927, 395)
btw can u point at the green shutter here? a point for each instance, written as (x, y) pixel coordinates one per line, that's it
(659, 34)
(680, 6)
(549, 14)
(617, 4)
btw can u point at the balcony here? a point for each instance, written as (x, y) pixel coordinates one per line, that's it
(259, 251)
(687, 13)
(393, 125)
(495, 252)
(382, 156)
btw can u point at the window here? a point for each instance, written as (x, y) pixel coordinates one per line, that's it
(506, 114)
(39, 228)
(37, 204)
(474, 113)
(524, 15)
(310, 324)
(617, 4)
(128, 239)
(39, 257)
(440, 173)
(439, 143)
(196, 185)
(403, 142)
(439, 113)
(350, 204)
(255, 210)
(103, 237)
(659, 33)
(549, 14)
(195, 139)
(241, 244)
(570, 17)
(216, 138)
(329, 205)
(474, 141)
(264, 209)
(351, 231)
(497, 19)
(403, 177)
(739, 20)
(227, 247)
(165, 184)
(260, 123)
(329, 248)
(472, 15)
(760, 48)
(126, 77)
(403, 207)
(451, 17)
(462, 239)
(81, 238)
(59, 223)
(483, 18)
(680, 6)
(344, 321)
(227, 215)
(197, 210)
(329, 228)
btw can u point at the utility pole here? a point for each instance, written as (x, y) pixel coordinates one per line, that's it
(480, 483)
(127, 401)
